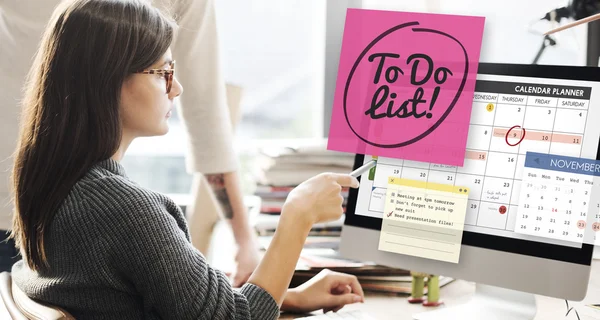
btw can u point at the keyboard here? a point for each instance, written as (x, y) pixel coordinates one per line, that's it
(342, 315)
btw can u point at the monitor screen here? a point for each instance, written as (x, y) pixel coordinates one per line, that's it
(558, 108)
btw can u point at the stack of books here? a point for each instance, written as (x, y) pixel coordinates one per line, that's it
(288, 166)
(273, 198)
(265, 225)
(280, 169)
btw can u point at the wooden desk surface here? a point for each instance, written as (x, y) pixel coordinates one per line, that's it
(397, 308)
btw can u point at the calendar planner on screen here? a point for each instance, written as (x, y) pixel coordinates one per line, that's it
(512, 116)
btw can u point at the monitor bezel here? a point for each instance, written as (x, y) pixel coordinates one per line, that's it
(581, 256)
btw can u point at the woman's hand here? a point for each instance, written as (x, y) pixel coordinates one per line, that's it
(328, 290)
(318, 199)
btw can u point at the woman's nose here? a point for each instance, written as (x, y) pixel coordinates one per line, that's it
(176, 89)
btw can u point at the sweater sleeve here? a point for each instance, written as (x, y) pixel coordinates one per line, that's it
(150, 249)
(203, 106)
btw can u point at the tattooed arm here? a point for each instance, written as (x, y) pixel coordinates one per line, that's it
(226, 187)
(223, 191)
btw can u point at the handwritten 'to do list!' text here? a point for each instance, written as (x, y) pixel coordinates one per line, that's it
(409, 107)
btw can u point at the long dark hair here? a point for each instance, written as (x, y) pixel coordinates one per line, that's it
(71, 106)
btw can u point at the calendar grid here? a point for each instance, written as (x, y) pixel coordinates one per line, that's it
(584, 126)
(478, 211)
(493, 170)
(382, 164)
(514, 176)
(553, 125)
(504, 127)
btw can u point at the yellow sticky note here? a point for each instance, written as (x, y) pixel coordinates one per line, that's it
(424, 219)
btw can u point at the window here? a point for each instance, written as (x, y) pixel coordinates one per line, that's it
(274, 50)
(158, 163)
(513, 30)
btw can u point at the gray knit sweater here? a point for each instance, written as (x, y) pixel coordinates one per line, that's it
(119, 251)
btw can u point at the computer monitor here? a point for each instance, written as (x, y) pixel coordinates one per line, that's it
(502, 262)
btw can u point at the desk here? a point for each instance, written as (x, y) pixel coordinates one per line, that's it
(397, 308)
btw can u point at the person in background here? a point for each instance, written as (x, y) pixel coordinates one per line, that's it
(206, 118)
(203, 109)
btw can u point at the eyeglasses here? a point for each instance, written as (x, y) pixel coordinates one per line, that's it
(167, 73)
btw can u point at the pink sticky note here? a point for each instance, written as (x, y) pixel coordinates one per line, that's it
(405, 85)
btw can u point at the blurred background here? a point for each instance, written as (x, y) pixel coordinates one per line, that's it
(278, 51)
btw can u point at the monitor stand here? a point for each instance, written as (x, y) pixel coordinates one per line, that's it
(489, 303)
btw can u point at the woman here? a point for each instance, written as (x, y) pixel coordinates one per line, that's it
(96, 243)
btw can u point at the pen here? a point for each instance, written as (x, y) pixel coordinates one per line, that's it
(364, 168)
